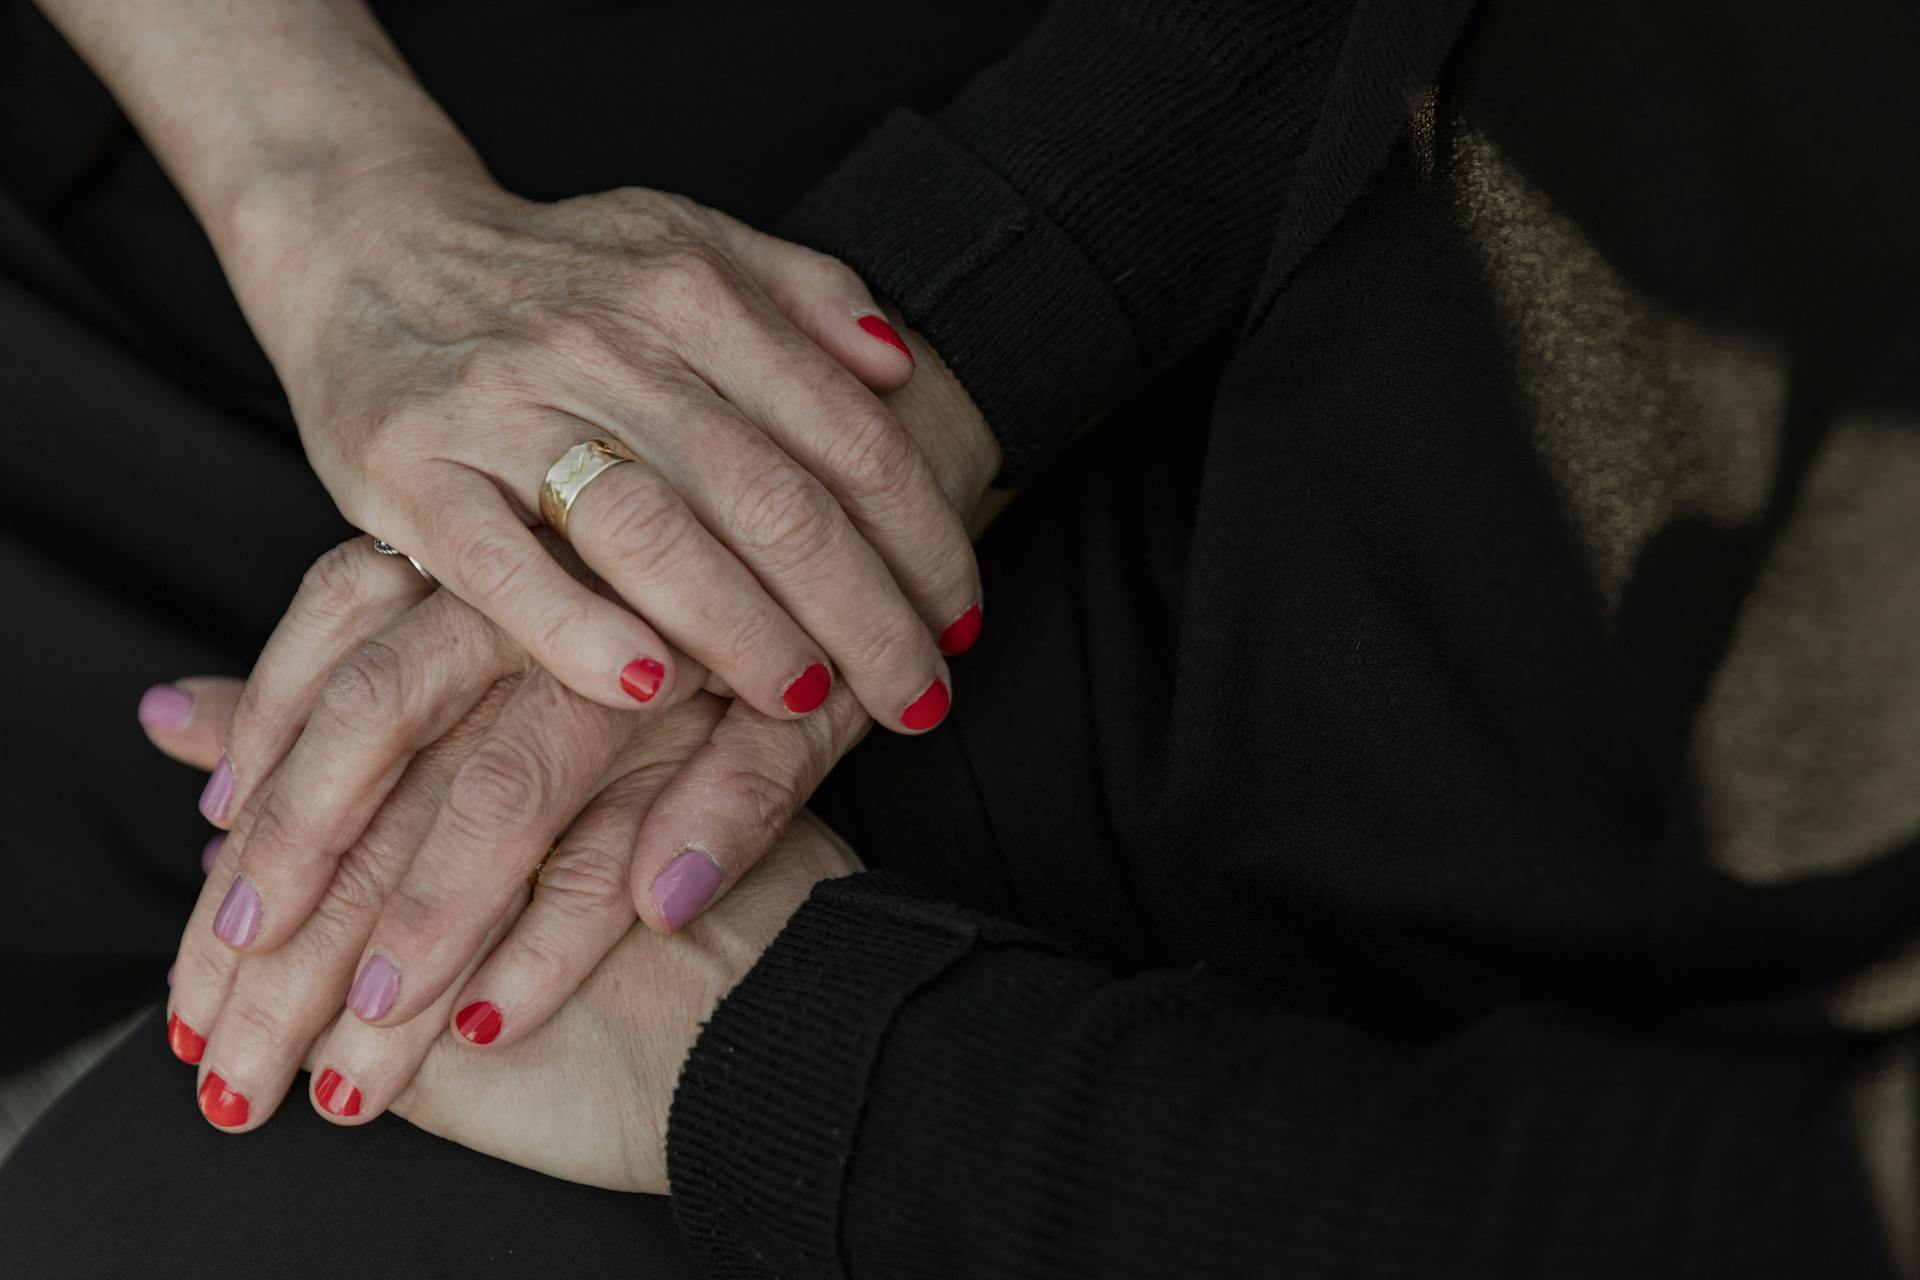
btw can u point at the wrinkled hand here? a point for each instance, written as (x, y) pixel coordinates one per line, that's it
(587, 1096)
(583, 1097)
(357, 687)
(444, 342)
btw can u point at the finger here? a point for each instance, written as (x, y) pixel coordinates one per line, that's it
(728, 805)
(380, 703)
(581, 905)
(824, 299)
(188, 719)
(350, 592)
(277, 1005)
(835, 428)
(633, 529)
(358, 1070)
(474, 543)
(797, 540)
(536, 768)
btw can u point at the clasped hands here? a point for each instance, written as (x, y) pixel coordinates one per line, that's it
(401, 756)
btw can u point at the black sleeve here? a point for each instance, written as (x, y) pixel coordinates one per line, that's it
(905, 1089)
(1092, 208)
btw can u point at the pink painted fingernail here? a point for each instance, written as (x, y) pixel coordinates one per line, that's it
(239, 916)
(374, 990)
(165, 707)
(641, 679)
(875, 327)
(212, 851)
(684, 886)
(218, 793)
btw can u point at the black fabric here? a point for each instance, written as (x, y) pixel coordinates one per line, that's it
(1482, 761)
(122, 350)
(121, 344)
(125, 1177)
(1092, 209)
(1459, 742)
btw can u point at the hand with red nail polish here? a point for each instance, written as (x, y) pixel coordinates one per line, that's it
(586, 1096)
(756, 508)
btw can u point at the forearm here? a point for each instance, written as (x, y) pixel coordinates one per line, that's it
(259, 109)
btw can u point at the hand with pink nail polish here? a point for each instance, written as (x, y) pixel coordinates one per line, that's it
(586, 1097)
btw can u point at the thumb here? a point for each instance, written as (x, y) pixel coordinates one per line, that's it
(824, 299)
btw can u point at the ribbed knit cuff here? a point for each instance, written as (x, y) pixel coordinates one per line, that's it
(769, 1104)
(1007, 298)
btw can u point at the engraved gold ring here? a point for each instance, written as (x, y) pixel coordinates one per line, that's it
(577, 469)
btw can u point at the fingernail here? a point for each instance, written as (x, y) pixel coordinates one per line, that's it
(373, 991)
(218, 793)
(165, 707)
(961, 633)
(929, 709)
(808, 690)
(478, 1022)
(212, 851)
(684, 886)
(220, 1104)
(326, 1091)
(239, 916)
(170, 983)
(186, 1043)
(641, 679)
(878, 328)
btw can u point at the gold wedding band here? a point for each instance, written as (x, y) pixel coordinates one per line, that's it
(575, 471)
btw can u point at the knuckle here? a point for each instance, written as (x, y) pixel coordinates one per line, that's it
(252, 1021)
(889, 641)
(647, 524)
(761, 807)
(787, 518)
(362, 691)
(336, 583)
(273, 831)
(830, 275)
(591, 870)
(872, 456)
(351, 901)
(492, 563)
(540, 954)
(502, 786)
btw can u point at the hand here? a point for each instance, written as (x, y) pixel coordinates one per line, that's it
(444, 343)
(334, 712)
(587, 1096)
(583, 1097)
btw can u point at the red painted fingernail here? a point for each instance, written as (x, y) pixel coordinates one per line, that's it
(961, 633)
(479, 1022)
(929, 709)
(641, 679)
(326, 1091)
(808, 690)
(186, 1043)
(878, 328)
(220, 1104)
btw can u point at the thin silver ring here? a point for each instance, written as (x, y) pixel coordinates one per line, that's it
(387, 549)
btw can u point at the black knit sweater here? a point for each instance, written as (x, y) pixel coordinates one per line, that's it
(1450, 734)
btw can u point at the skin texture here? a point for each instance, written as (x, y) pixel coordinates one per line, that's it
(444, 342)
(368, 671)
(585, 1097)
